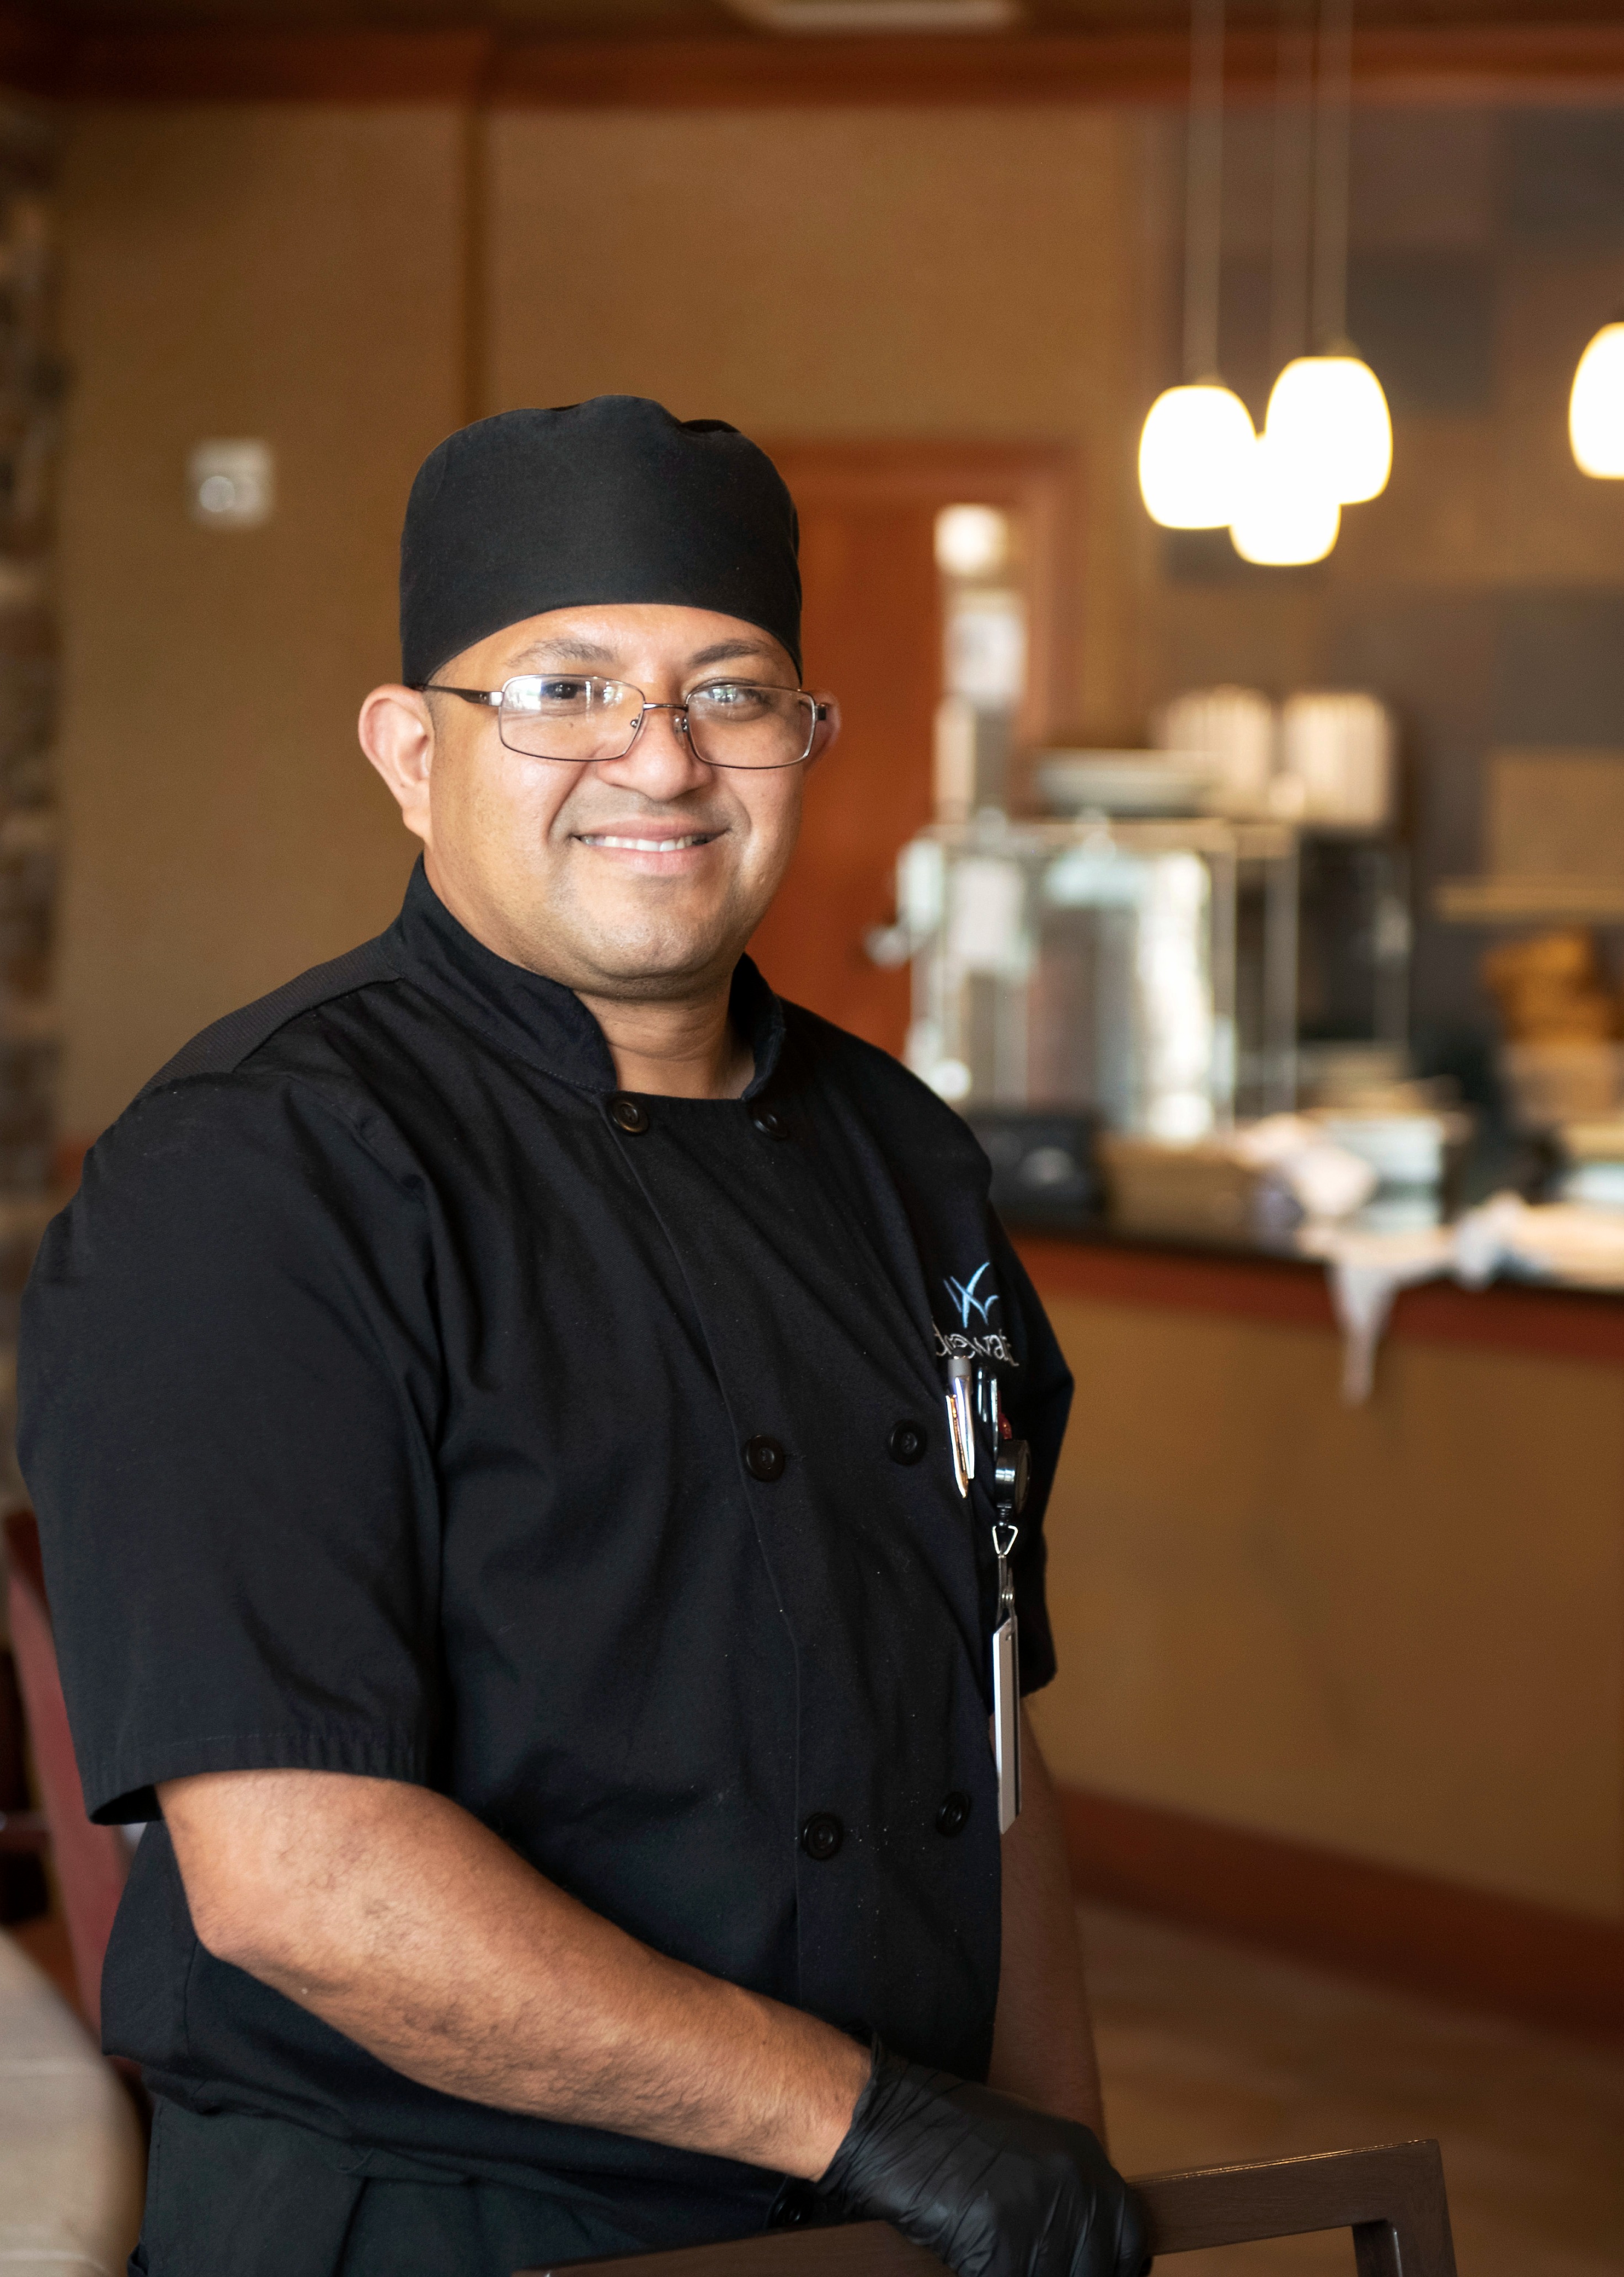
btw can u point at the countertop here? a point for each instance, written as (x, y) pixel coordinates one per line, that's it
(1276, 1281)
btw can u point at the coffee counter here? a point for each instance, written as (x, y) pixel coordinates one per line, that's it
(1351, 1678)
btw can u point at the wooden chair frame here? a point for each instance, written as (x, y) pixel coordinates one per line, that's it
(1392, 2197)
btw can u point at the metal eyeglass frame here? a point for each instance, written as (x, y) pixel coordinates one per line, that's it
(492, 698)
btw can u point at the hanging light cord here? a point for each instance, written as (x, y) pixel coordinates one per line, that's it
(1293, 164)
(1204, 191)
(1330, 175)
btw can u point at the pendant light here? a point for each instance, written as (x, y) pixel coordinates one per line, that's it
(1596, 407)
(1330, 414)
(1328, 410)
(1286, 515)
(1196, 442)
(1193, 454)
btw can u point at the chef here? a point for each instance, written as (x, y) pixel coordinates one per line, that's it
(528, 1430)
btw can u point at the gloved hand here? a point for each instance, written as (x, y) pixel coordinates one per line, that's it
(994, 2187)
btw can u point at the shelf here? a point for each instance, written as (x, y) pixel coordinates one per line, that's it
(1530, 901)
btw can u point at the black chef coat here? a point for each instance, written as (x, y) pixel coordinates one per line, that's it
(399, 1398)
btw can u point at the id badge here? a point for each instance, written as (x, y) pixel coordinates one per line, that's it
(1006, 1719)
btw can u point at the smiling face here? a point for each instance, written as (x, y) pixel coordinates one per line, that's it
(639, 878)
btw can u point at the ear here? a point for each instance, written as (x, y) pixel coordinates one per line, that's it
(827, 733)
(396, 728)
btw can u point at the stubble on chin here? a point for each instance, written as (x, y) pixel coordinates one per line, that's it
(627, 950)
(656, 962)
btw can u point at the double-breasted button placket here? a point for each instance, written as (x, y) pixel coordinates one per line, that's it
(907, 1443)
(807, 1269)
(764, 1457)
(954, 1815)
(821, 1836)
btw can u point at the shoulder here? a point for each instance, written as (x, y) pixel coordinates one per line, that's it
(229, 1043)
(907, 1116)
(271, 1091)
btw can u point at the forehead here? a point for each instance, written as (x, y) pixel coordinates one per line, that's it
(631, 636)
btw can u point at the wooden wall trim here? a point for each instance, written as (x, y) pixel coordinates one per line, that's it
(31, 52)
(1529, 61)
(911, 467)
(1042, 482)
(1280, 1289)
(1340, 1912)
(205, 66)
(1430, 63)
(1558, 1324)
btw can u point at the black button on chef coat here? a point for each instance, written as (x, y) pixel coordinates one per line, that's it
(397, 1403)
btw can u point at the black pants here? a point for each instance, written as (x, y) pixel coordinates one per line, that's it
(234, 2196)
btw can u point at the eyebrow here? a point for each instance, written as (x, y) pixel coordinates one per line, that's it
(723, 650)
(565, 650)
(569, 650)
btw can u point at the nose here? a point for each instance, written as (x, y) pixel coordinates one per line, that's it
(661, 763)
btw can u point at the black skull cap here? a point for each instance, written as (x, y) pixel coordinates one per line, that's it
(610, 500)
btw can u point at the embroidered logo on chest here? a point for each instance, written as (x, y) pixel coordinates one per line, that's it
(973, 1302)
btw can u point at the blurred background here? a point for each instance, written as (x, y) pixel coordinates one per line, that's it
(1207, 429)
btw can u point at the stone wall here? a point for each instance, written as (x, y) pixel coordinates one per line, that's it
(30, 394)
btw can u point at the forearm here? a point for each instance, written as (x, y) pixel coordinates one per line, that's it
(399, 1920)
(1043, 2039)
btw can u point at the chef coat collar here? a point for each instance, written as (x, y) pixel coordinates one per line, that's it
(546, 1022)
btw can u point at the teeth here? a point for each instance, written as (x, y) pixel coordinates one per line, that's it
(648, 845)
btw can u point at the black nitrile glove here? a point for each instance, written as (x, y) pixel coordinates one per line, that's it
(992, 2186)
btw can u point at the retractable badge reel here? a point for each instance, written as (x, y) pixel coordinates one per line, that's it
(1012, 1470)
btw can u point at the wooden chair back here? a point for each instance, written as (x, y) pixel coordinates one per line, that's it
(1392, 2199)
(92, 1862)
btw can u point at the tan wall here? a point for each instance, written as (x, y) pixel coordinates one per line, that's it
(1392, 1630)
(281, 272)
(824, 274)
(295, 272)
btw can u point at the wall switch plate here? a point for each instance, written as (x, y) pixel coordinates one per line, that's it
(231, 485)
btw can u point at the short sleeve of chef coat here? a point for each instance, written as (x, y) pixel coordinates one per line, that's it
(227, 1402)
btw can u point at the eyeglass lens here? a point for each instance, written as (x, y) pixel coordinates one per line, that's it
(730, 723)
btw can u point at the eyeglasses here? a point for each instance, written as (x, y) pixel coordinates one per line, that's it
(729, 723)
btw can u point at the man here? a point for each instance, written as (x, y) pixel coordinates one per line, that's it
(508, 1526)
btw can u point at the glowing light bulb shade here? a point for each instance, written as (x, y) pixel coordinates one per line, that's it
(1192, 456)
(1596, 407)
(1330, 413)
(1285, 517)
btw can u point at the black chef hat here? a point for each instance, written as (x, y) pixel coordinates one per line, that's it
(610, 500)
